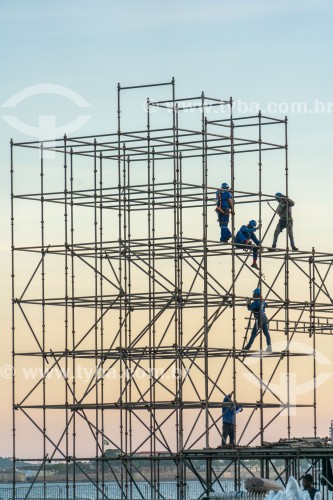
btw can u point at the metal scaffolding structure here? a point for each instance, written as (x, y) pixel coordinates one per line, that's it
(134, 313)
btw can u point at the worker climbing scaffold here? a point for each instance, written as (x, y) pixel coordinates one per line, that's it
(246, 239)
(257, 306)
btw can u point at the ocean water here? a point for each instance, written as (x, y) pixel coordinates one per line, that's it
(86, 491)
(83, 491)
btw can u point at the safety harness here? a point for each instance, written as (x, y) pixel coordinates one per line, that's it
(219, 204)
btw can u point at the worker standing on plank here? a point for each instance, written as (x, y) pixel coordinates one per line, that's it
(286, 221)
(257, 307)
(224, 206)
(244, 237)
(228, 420)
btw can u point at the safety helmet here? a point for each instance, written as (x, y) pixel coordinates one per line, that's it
(252, 223)
(256, 291)
(224, 185)
(278, 195)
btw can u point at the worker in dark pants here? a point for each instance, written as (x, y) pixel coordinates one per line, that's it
(307, 481)
(228, 419)
(257, 306)
(284, 211)
(243, 238)
(224, 207)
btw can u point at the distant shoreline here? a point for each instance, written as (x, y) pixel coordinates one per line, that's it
(89, 478)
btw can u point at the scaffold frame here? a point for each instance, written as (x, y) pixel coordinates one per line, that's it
(139, 293)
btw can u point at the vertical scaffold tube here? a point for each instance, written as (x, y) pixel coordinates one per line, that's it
(233, 276)
(261, 364)
(120, 156)
(286, 283)
(12, 227)
(66, 286)
(42, 223)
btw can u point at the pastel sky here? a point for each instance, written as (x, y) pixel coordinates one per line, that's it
(270, 54)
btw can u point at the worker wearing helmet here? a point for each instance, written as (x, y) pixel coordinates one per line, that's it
(243, 238)
(257, 307)
(224, 206)
(229, 410)
(286, 221)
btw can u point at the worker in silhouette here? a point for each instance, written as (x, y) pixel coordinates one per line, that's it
(257, 307)
(244, 238)
(284, 211)
(224, 207)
